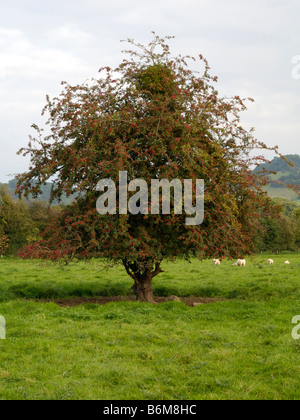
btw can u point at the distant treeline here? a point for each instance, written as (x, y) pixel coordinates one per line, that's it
(280, 232)
(22, 222)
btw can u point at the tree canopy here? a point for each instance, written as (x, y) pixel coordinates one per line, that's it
(155, 118)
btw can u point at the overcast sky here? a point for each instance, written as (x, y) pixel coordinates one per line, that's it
(253, 48)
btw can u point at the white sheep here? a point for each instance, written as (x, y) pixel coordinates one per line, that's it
(241, 263)
(286, 262)
(216, 261)
(270, 261)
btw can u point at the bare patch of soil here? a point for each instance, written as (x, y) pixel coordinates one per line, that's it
(101, 300)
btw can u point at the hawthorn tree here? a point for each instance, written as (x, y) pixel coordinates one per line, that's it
(155, 118)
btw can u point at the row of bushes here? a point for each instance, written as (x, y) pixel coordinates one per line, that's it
(22, 222)
(280, 233)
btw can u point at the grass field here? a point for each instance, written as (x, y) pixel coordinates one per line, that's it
(238, 348)
(282, 192)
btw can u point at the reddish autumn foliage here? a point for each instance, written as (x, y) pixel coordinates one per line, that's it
(154, 118)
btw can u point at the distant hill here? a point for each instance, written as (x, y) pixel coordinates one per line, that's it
(285, 173)
(46, 191)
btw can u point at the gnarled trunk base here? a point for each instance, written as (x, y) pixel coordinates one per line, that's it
(143, 291)
(142, 277)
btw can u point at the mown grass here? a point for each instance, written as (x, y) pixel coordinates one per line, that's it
(238, 348)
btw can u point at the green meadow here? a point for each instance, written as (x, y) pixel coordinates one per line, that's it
(239, 347)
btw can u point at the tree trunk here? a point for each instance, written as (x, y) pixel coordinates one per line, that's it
(144, 290)
(142, 277)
